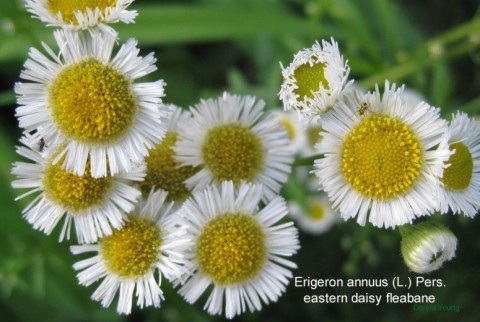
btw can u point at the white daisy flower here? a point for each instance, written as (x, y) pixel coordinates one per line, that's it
(231, 139)
(296, 133)
(412, 97)
(96, 206)
(80, 15)
(239, 251)
(89, 100)
(461, 179)
(313, 133)
(315, 80)
(304, 133)
(150, 242)
(162, 169)
(319, 217)
(425, 246)
(386, 164)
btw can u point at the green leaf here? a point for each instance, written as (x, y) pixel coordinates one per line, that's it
(11, 210)
(441, 87)
(168, 24)
(472, 107)
(7, 98)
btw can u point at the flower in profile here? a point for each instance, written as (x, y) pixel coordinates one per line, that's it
(231, 140)
(89, 102)
(300, 132)
(296, 135)
(426, 246)
(149, 242)
(303, 133)
(313, 131)
(461, 179)
(96, 206)
(162, 170)
(238, 250)
(385, 164)
(72, 14)
(315, 80)
(317, 219)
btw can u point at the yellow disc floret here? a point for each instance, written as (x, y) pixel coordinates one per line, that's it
(134, 249)
(458, 175)
(317, 211)
(92, 102)
(231, 248)
(67, 8)
(314, 134)
(164, 172)
(233, 152)
(309, 79)
(381, 157)
(74, 192)
(288, 125)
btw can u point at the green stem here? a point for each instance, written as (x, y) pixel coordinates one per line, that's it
(453, 43)
(472, 106)
(7, 98)
(293, 190)
(308, 161)
(405, 229)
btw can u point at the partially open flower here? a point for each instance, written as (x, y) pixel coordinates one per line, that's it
(315, 80)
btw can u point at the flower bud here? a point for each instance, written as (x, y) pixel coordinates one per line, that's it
(426, 246)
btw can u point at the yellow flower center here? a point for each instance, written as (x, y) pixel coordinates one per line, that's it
(314, 134)
(231, 248)
(71, 191)
(309, 79)
(92, 102)
(164, 172)
(68, 7)
(317, 211)
(134, 249)
(288, 125)
(232, 152)
(458, 175)
(381, 157)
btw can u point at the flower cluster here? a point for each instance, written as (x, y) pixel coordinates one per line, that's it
(152, 191)
(384, 157)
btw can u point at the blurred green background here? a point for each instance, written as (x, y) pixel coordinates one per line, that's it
(205, 47)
